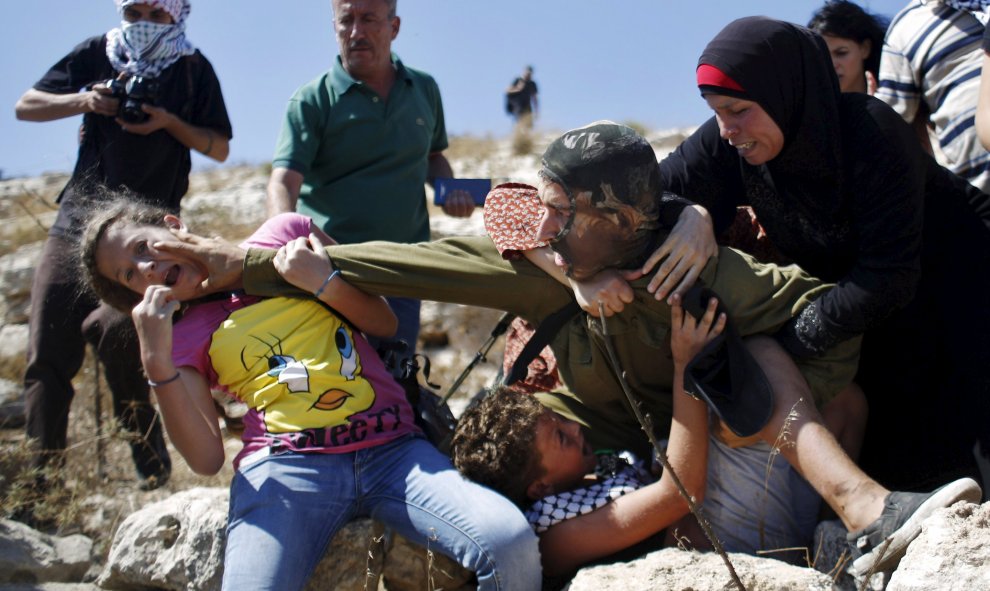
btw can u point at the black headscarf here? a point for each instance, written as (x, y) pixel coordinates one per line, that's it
(787, 69)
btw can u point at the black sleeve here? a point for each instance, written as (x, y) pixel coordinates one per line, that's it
(886, 187)
(705, 170)
(84, 65)
(209, 109)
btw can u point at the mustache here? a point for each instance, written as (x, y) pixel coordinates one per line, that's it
(359, 45)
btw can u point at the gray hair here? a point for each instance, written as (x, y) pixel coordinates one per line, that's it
(390, 3)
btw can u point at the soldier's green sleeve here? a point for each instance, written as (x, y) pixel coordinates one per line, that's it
(463, 270)
(762, 298)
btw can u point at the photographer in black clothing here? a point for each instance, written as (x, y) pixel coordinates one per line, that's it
(147, 97)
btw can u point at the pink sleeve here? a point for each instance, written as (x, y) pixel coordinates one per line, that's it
(279, 230)
(191, 338)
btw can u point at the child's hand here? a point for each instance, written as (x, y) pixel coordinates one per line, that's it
(689, 336)
(607, 287)
(304, 263)
(153, 321)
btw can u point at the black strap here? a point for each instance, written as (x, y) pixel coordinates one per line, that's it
(550, 326)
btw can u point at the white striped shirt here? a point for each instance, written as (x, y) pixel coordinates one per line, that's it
(933, 53)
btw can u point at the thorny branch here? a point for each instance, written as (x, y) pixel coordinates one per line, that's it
(647, 425)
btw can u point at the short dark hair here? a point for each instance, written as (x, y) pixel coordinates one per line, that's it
(102, 213)
(495, 442)
(841, 18)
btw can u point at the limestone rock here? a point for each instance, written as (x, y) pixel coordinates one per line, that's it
(952, 552)
(410, 567)
(177, 544)
(29, 556)
(229, 203)
(174, 544)
(13, 344)
(16, 274)
(51, 587)
(672, 568)
(11, 403)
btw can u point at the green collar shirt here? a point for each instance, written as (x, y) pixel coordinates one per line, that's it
(364, 160)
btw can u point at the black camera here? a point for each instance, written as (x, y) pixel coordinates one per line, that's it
(132, 93)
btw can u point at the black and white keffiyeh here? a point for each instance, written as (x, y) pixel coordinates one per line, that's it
(144, 48)
(970, 5)
(617, 477)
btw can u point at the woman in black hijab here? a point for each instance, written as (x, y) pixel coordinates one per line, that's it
(842, 188)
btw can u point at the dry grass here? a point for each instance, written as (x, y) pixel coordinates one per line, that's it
(522, 141)
(470, 147)
(97, 485)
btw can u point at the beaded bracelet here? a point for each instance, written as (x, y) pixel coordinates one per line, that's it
(155, 384)
(326, 282)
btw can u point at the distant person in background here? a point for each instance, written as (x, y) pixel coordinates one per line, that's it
(147, 97)
(854, 38)
(521, 100)
(359, 142)
(930, 75)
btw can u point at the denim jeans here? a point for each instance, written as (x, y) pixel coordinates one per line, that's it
(285, 509)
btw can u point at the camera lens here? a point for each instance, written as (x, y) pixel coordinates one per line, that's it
(139, 90)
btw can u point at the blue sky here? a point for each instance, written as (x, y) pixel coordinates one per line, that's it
(626, 60)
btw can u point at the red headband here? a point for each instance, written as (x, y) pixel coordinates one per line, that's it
(709, 75)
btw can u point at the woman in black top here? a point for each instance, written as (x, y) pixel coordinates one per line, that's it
(842, 188)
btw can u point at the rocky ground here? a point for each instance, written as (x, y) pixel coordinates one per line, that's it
(105, 534)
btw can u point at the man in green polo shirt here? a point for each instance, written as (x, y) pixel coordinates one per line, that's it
(359, 142)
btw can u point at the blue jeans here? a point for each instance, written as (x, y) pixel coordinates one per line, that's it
(285, 509)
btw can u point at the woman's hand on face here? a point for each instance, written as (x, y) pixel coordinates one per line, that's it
(684, 253)
(689, 335)
(153, 321)
(304, 263)
(608, 287)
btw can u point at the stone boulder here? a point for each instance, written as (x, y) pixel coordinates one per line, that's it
(952, 552)
(11, 403)
(16, 275)
(174, 544)
(28, 556)
(672, 568)
(177, 544)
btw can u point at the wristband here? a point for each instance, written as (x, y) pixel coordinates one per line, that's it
(326, 282)
(155, 384)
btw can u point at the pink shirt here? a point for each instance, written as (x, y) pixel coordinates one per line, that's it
(312, 382)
